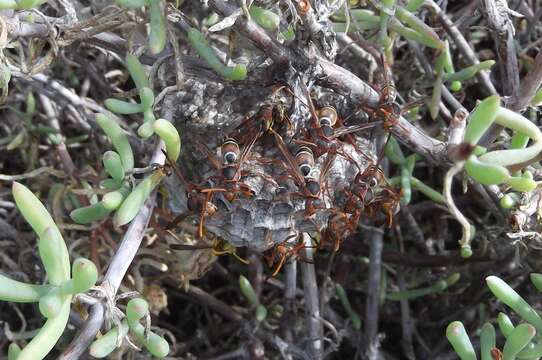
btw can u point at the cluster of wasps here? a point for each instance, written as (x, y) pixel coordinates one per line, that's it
(368, 195)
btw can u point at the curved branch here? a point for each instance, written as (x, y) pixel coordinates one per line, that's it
(116, 271)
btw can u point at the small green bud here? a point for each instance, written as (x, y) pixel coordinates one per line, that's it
(508, 201)
(84, 276)
(113, 165)
(261, 313)
(136, 309)
(123, 107)
(466, 251)
(157, 345)
(455, 86)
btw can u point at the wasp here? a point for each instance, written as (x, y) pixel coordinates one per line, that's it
(301, 168)
(229, 167)
(200, 197)
(196, 201)
(324, 136)
(374, 195)
(388, 110)
(283, 252)
(340, 224)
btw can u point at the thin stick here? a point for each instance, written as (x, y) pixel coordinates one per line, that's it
(290, 287)
(312, 309)
(529, 85)
(372, 343)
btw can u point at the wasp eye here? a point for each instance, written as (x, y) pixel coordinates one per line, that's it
(305, 169)
(230, 157)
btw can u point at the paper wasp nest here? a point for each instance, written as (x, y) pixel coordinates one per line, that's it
(209, 113)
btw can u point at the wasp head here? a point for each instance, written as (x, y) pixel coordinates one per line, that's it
(327, 118)
(230, 151)
(305, 160)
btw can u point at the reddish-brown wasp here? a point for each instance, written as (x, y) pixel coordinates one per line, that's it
(301, 169)
(283, 252)
(196, 201)
(200, 198)
(388, 110)
(339, 225)
(229, 172)
(323, 136)
(374, 194)
(271, 114)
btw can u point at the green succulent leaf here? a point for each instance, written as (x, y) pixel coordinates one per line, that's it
(517, 340)
(157, 345)
(487, 341)
(136, 70)
(19, 292)
(106, 344)
(47, 337)
(123, 107)
(169, 134)
(457, 336)
(505, 324)
(510, 297)
(113, 165)
(91, 213)
(481, 118)
(248, 291)
(158, 33)
(133, 202)
(118, 139)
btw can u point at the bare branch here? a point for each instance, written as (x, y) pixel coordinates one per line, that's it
(372, 343)
(116, 271)
(312, 309)
(529, 85)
